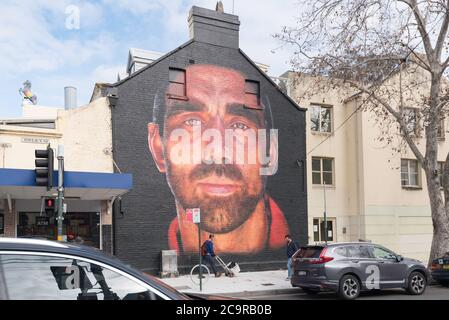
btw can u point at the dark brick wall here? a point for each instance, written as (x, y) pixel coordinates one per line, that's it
(141, 229)
(107, 238)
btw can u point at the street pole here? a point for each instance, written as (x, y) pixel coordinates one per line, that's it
(201, 267)
(60, 217)
(325, 215)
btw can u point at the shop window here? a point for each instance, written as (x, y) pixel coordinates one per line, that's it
(319, 230)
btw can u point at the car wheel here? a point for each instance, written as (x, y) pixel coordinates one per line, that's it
(416, 283)
(349, 287)
(310, 291)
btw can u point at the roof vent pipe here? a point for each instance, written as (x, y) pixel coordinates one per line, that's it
(70, 98)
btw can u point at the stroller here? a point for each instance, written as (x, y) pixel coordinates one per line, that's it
(231, 269)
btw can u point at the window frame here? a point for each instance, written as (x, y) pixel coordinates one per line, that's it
(249, 92)
(418, 168)
(333, 222)
(99, 263)
(175, 96)
(415, 131)
(322, 171)
(331, 120)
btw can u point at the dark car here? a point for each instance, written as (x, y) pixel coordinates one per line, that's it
(33, 269)
(348, 268)
(440, 270)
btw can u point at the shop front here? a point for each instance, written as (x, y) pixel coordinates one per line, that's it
(27, 211)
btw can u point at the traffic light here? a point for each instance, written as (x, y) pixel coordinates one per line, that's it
(44, 167)
(50, 206)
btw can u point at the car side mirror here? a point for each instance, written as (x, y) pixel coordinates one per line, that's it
(399, 258)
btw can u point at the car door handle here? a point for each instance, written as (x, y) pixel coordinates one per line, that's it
(355, 261)
(380, 261)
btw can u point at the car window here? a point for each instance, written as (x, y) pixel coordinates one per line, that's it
(380, 253)
(358, 251)
(37, 277)
(309, 252)
(341, 251)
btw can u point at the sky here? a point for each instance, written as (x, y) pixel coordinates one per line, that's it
(49, 44)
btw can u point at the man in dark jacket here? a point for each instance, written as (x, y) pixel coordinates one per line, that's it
(292, 247)
(209, 254)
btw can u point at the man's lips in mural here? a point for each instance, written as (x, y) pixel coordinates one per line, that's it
(218, 186)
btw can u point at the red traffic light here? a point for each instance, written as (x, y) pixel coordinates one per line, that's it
(49, 204)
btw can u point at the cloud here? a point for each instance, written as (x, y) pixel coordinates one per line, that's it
(28, 43)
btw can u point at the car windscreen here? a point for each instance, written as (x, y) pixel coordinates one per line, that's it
(309, 252)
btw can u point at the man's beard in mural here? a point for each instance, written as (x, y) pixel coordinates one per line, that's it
(219, 214)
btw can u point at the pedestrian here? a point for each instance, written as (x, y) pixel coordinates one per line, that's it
(208, 253)
(292, 247)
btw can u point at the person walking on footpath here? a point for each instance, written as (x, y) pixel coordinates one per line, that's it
(292, 247)
(207, 251)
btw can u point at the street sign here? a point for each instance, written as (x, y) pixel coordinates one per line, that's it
(189, 215)
(42, 221)
(196, 215)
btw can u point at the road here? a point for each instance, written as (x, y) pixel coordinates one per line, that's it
(432, 293)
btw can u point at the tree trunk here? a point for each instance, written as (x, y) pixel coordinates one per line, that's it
(440, 218)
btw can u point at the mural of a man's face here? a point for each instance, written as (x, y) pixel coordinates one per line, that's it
(226, 191)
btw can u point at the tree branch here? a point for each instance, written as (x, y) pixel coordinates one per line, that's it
(421, 27)
(442, 36)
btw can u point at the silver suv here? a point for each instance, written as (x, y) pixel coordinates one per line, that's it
(348, 268)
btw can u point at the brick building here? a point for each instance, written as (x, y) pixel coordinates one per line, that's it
(249, 213)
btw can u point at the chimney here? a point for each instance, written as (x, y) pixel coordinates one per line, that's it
(214, 26)
(70, 98)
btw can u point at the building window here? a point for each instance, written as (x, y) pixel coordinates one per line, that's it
(322, 171)
(410, 116)
(319, 230)
(410, 173)
(252, 94)
(440, 172)
(177, 83)
(441, 130)
(321, 118)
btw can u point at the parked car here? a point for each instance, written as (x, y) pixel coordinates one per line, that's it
(348, 268)
(440, 270)
(32, 269)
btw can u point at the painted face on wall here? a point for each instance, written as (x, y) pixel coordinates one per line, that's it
(210, 139)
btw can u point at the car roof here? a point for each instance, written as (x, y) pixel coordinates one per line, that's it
(47, 246)
(336, 244)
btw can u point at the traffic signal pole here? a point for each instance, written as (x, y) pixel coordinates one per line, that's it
(60, 217)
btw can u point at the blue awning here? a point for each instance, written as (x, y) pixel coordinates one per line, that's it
(20, 184)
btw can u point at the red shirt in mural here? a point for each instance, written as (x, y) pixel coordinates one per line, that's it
(277, 231)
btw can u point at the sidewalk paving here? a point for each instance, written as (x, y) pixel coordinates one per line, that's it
(243, 284)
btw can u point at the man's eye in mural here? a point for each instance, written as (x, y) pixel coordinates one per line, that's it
(239, 125)
(192, 122)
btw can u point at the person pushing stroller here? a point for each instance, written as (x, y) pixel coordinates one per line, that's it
(208, 254)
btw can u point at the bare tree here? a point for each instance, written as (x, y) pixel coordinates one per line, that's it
(363, 43)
